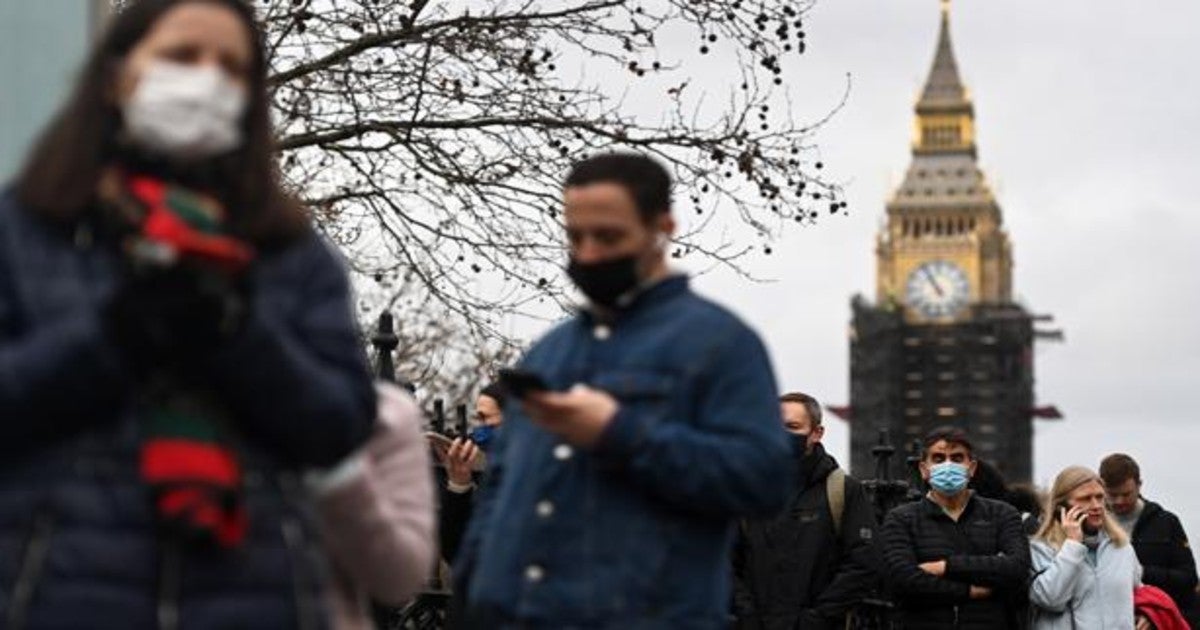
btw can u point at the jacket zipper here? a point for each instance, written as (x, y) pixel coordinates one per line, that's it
(30, 572)
(169, 570)
(306, 609)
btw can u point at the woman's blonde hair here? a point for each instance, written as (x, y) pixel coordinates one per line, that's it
(1068, 481)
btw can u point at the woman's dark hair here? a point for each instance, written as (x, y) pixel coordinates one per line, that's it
(60, 176)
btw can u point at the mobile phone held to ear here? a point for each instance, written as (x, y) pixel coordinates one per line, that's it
(520, 383)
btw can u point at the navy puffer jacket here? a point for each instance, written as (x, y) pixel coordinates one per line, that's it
(78, 546)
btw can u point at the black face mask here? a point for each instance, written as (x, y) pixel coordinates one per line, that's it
(606, 281)
(799, 444)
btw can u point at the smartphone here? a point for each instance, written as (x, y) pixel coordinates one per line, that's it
(520, 383)
(442, 443)
(438, 441)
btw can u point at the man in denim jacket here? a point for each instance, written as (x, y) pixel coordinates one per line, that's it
(611, 497)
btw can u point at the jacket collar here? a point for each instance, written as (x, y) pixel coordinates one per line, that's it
(642, 298)
(1150, 510)
(933, 509)
(822, 464)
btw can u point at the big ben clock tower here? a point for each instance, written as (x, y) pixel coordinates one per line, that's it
(944, 343)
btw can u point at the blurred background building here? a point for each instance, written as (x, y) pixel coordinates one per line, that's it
(944, 343)
(42, 43)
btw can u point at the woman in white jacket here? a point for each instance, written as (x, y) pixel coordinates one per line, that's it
(377, 509)
(1084, 569)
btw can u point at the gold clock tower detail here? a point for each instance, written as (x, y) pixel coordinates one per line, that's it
(943, 249)
(944, 343)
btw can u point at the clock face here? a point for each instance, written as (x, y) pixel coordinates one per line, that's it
(938, 289)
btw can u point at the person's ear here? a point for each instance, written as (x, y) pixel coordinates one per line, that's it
(815, 436)
(666, 225)
(972, 467)
(924, 466)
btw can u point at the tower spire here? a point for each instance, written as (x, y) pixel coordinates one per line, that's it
(944, 87)
(945, 115)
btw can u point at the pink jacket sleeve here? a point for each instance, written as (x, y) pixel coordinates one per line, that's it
(378, 515)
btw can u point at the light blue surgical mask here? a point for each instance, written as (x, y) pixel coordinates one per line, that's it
(949, 478)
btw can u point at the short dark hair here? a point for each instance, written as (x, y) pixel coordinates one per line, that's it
(645, 178)
(949, 435)
(1118, 468)
(496, 392)
(60, 174)
(810, 405)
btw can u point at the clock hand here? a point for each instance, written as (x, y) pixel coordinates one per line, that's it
(933, 281)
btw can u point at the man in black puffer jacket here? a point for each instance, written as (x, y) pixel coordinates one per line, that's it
(804, 569)
(1158, 537)
(955, 559)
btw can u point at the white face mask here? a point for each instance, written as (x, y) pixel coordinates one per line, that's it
(185, 111)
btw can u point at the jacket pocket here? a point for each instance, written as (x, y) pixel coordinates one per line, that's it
(33, 560)
(644, 391)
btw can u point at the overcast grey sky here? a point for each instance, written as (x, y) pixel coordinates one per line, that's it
(1088, 117)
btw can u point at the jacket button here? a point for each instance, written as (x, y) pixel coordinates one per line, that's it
(534, 573)
(545, 509)
(563, 452)
(602, 332)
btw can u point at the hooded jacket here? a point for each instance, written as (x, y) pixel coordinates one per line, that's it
(793, 570)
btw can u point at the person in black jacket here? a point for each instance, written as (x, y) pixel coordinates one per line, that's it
(1158, 537)
(806, 567)
(955, 559)
(458, 476)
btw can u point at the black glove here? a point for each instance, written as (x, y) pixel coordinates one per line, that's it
(167, 317)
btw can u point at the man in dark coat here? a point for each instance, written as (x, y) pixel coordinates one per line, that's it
(805, 567)
(955, 559)
(1158, 537)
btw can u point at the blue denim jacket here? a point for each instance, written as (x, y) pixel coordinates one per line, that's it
(635, 532)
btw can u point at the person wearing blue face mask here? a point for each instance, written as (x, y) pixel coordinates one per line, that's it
(461, 475)
(955, 559)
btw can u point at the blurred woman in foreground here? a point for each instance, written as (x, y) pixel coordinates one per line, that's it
(175, 343)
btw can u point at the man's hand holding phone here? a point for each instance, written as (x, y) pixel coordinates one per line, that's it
(459, 460)
(579, 415)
